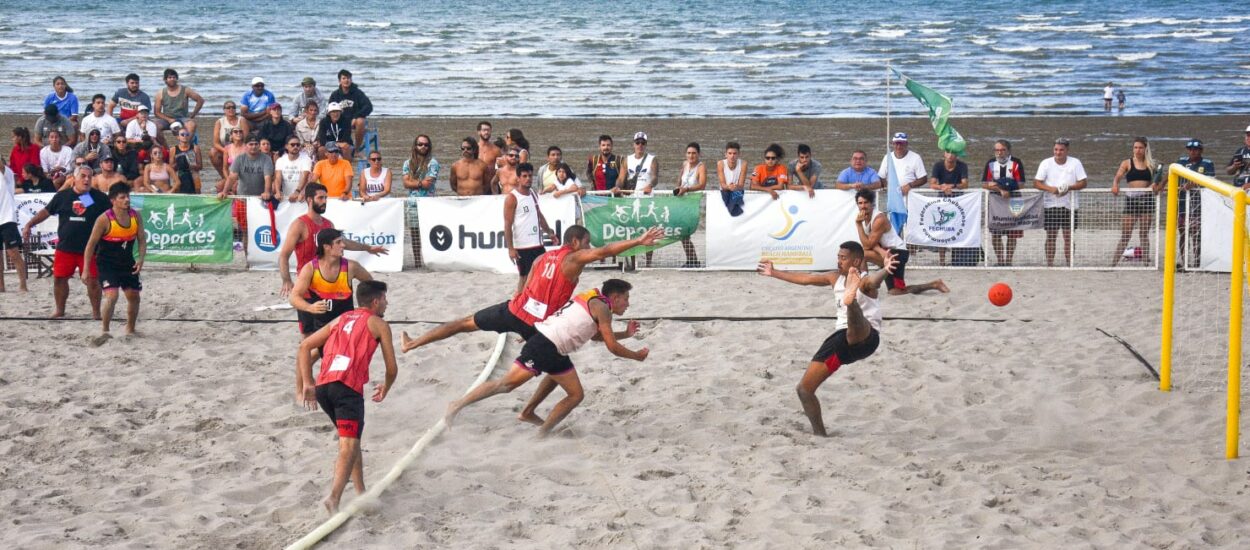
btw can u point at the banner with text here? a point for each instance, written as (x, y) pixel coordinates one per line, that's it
(377, 223)
(186, 229)
(613, 219)
(795, 232)
(466, 233)
(1008, 213)
(29, 204)
(947, 222)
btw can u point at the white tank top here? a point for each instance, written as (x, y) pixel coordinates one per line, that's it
(641, 167)
(226, 127)
(572, 326)
(525, 232)
(374, 185)
(690, 175)
(732, 177)
(866, 304)
(890, 239)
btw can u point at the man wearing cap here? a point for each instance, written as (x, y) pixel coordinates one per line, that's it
(335, 128)
(356, 105)
(335, 173)
(256, 101)
(173, 105)
(249, 177)
(52, 120)
(129, 98)
(308, 94)
(1060, 177)
(141, 128)
(909, 168)
(642, 170)
(1190, 212)
(108, 175)
(1239, 165)
(276, 130)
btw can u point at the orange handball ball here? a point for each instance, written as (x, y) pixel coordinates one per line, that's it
(1000, 294)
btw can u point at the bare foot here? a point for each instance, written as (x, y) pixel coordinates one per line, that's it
(405, 342)
(100, 340)
(133, 334)
(57, 315)
(852, 287)
(941, 286)
(331, 505)
(453, 409)
(530, 418)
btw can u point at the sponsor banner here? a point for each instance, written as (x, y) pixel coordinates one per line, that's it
(1217, 232)
(1005, 213)
(617, 219)
(947, 222)
(795, 232)
(376, 223)
(186, 228)
(466, 233)
(29, 204)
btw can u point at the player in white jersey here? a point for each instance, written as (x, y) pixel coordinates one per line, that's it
(588, 316)
(856, 333)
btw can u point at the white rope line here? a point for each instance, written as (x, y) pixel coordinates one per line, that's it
(402, 464)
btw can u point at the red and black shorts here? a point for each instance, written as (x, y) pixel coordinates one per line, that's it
(898, 279)
(344, 406)
(835, 351)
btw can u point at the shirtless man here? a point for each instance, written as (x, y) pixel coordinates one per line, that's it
(299, 236)
(487, 150)
(856, 333)
(877, 236)
(550, 284)
(468, 175)
(506, 176)
(351, 339)
(588, 316)
(107, 176)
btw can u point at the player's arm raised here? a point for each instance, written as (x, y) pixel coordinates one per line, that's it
(603, 317)
(766, 269)
(583, 257)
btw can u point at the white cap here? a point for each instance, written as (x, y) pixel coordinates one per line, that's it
(258, 80)
(640, 135)
(176, 125)
(142, 108)
(334, 106)
(1248, 129)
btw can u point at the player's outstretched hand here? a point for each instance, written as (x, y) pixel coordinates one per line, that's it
(377, 250)
(765, 268)
(890, 261)
(651, 236)
(631, 328)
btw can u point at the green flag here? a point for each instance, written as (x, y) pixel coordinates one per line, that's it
(186, 228)
(939, 109)
(621, 218)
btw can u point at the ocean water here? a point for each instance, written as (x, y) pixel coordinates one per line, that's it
(648, 58)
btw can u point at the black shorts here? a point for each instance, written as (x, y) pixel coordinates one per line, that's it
(124, 279)
(898, 278)
(539, 355)
(525, 258)
(836, 352)
(1141, 205)
(344, 406)
(10, 237)
(1056, 217)
(498, 318)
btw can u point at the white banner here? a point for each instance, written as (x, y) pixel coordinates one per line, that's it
(946, 222)
(29, 204)
(466, 233)
(795, 232)
(373, 223)
(1217, 232)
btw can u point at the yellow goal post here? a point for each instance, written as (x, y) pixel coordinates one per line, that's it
(1237, 270)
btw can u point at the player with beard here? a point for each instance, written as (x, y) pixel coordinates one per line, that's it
(299, 236)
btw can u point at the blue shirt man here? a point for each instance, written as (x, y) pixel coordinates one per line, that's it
(255, 102)
(858, 175)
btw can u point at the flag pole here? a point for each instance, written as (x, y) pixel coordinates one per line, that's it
(887, 105)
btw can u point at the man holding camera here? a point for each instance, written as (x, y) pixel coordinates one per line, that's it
(1239, 165)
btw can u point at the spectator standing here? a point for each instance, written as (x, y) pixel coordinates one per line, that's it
(187, 162)
(731, 176)
(1119, 96)
(693, 179)
(772, 175)
(486, 148)
(642, 169)
(356, 105)
(514, 137)
(255, 102)
(468, 174)
(949, 177)
(335, 173)
(1060, 177)
(291, 172)
(249, 177)
(129, 98)
(545, 174)
(505, 176)
(910, 172)
(1239, 166)
(1141, 176)
(804, 172)
(1004, 174)
(420, 173)
(1107, 92)
(604, 170)
(858, 176)
(1190, 213)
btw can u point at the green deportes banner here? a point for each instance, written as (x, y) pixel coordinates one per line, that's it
(939, 110)
(617, 219)
(186, 229)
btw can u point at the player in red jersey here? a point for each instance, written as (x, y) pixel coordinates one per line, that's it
(551, 281)
(349, 343)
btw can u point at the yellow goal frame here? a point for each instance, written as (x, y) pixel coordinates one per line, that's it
(1238, 272)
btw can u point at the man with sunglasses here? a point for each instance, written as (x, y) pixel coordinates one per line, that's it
(255, 102)
(290, 172)
(276, 130)
(505, 179)
(187, 161)
(468, 175)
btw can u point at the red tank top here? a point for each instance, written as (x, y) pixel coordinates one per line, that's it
(547, 289)
(349, 350)
(306, 250)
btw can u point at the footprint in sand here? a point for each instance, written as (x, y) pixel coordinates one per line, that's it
(100, 340)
